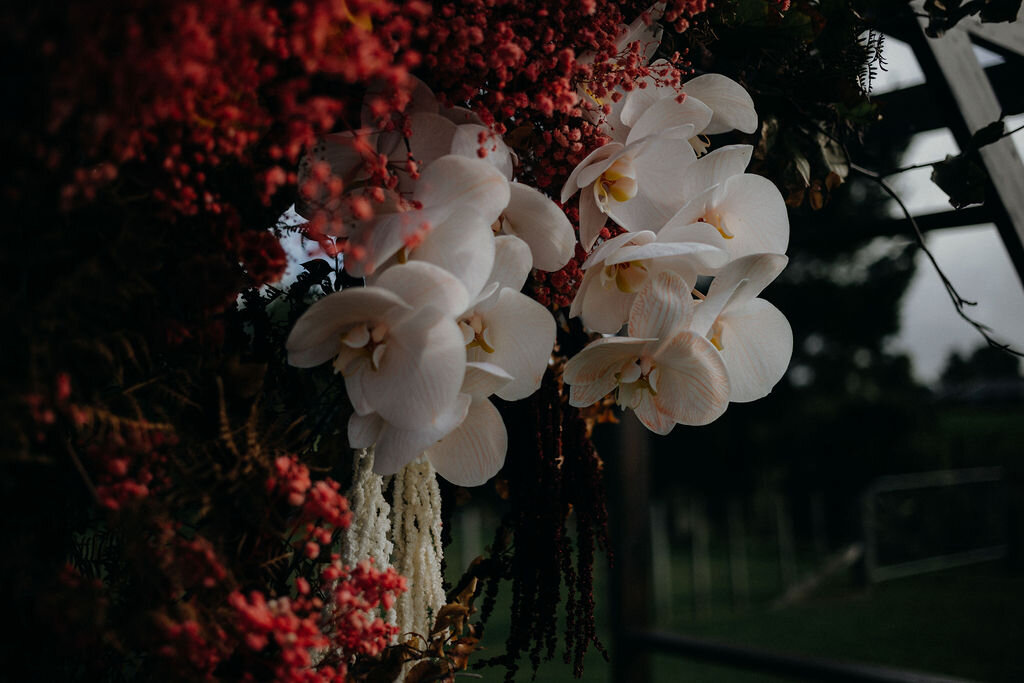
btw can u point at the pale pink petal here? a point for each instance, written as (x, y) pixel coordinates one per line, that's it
(731, 103)
(591, 278)
(648, 414)
(483, 379)
(693, 387)
(539, 222)
(663, 306)
(757, 343)
(317, 333)
(522, 333)
(668, 114)
(419, 284)
(475, 451)
(591, 372)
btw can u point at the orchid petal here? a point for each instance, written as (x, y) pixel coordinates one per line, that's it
(592, 219)
(467, 143)
(667, 114)
(610, 246)
(522, 333)
(397, 447)
(599, 155)
(731, 103)
(757, 344)
(475, 451)
(454, 180)
(650, 416)
(431, 138)
(694, 385)
(756, 215)
(483, 379)
(714, 168)
(663, 306)
(591, 372)
(461, 115)
(364, 430)
(317, 333)
(604, 309)
(464, 246)
(539, 222)
(512, 262)
(421, 284)
(421, 372)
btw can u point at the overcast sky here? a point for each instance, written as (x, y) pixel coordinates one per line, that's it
(973, 258)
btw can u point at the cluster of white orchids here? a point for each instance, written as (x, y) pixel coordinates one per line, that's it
(442, 325)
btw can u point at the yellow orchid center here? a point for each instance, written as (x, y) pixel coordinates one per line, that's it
(629, 277)
(716, 219)
(716, 335)
(636, 377)
(474, 332)
(618, 182)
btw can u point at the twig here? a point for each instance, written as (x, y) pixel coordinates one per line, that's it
(959, 302)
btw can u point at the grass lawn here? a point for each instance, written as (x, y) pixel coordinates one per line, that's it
(967, 622)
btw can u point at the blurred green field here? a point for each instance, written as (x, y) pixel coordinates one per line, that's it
(967, 622)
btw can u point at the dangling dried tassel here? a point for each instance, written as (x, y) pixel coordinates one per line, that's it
(416, 530)
(368, 535)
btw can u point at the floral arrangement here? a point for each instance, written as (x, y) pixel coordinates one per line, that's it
(249, 479)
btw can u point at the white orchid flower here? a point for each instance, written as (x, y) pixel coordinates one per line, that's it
(635, 183)
(753, 336)
(446, 186)
(665, 372)
(746, 209)
(622, 266)
(396, 343)
(507, 328)
(530, 215)
(467, 448)
(731, 105)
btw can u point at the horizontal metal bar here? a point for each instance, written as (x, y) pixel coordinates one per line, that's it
(931, 564)
(924, 480)
(778, 663)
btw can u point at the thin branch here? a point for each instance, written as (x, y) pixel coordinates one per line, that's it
(901, 169)
(959, 302)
